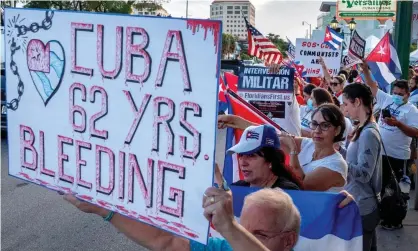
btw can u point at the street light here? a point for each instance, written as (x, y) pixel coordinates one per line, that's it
(310, 28)
(334, 23)
(352, 25)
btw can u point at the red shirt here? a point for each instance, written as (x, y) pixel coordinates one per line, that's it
(300, 99)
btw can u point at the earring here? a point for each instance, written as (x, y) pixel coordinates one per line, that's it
(270, 166)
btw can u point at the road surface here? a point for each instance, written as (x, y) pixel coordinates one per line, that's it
(33, 218)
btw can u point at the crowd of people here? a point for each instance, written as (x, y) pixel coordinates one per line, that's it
(342, 135)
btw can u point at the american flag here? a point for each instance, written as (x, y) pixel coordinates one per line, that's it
(261, 47)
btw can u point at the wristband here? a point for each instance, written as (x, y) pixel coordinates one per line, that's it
(293, 153)
(109, 216)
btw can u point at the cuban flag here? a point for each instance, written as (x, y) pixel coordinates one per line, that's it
(332, 38)
(384, 63)
(300, 68)
(231, 81)
(324, 226)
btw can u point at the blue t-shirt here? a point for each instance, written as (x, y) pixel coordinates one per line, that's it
(214, 244)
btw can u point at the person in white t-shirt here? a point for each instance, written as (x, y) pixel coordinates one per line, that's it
(315, 159)
(398, 124)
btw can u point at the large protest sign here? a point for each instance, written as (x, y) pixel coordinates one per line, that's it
(356, 50)
(257, 83)
(308, 52)
(119, 109)
(357, 46)
(267, 92)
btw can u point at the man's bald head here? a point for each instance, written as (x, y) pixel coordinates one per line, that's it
(271, 216)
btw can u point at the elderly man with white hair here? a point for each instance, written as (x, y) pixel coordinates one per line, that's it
(269, 221)
(272, 218)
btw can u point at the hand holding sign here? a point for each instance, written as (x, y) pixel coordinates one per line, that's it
(85, 206)
(321, 61)
(217, 203)
(364, 66)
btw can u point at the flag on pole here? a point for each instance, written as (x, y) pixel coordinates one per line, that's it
(300, 68)
(384, 62)
(332, 38)
(261, 47)
(231, 81)
(290, 50)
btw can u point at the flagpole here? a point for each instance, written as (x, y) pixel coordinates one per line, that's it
(187, 8)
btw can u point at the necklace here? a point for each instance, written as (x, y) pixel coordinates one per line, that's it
(316, 157)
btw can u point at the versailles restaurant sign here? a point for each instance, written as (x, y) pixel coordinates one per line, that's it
(366, 9)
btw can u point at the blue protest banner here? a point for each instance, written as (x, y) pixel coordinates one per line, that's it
(257, 84)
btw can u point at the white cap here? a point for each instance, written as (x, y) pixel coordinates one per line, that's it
(256, 137)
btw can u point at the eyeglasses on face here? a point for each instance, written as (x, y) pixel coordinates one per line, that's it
(324, 126)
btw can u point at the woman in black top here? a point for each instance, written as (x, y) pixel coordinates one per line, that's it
(261, 161)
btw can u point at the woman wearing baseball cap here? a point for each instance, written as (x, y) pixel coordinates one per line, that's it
(314, 159)
(261, 161)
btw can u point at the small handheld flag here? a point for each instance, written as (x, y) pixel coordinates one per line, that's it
(332, 38)
(384, 62)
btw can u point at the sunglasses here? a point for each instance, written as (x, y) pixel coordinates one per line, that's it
(334, 83)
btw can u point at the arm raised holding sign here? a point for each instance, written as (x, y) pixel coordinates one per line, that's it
(217, 204)
(145, 235)
(325, 71)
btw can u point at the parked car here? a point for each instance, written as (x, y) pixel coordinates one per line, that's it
(3, 102)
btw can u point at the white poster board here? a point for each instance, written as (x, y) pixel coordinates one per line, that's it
(308, 52)
(119, 109)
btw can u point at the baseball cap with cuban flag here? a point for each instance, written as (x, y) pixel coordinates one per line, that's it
(256, 137)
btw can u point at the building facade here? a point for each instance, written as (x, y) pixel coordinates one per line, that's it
(365, 28)
(151, 12)
(231, 14)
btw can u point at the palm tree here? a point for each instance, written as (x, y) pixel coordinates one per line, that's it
(228, 44)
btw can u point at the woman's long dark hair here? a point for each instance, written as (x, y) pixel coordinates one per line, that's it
(277, 159)
(362, 92)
